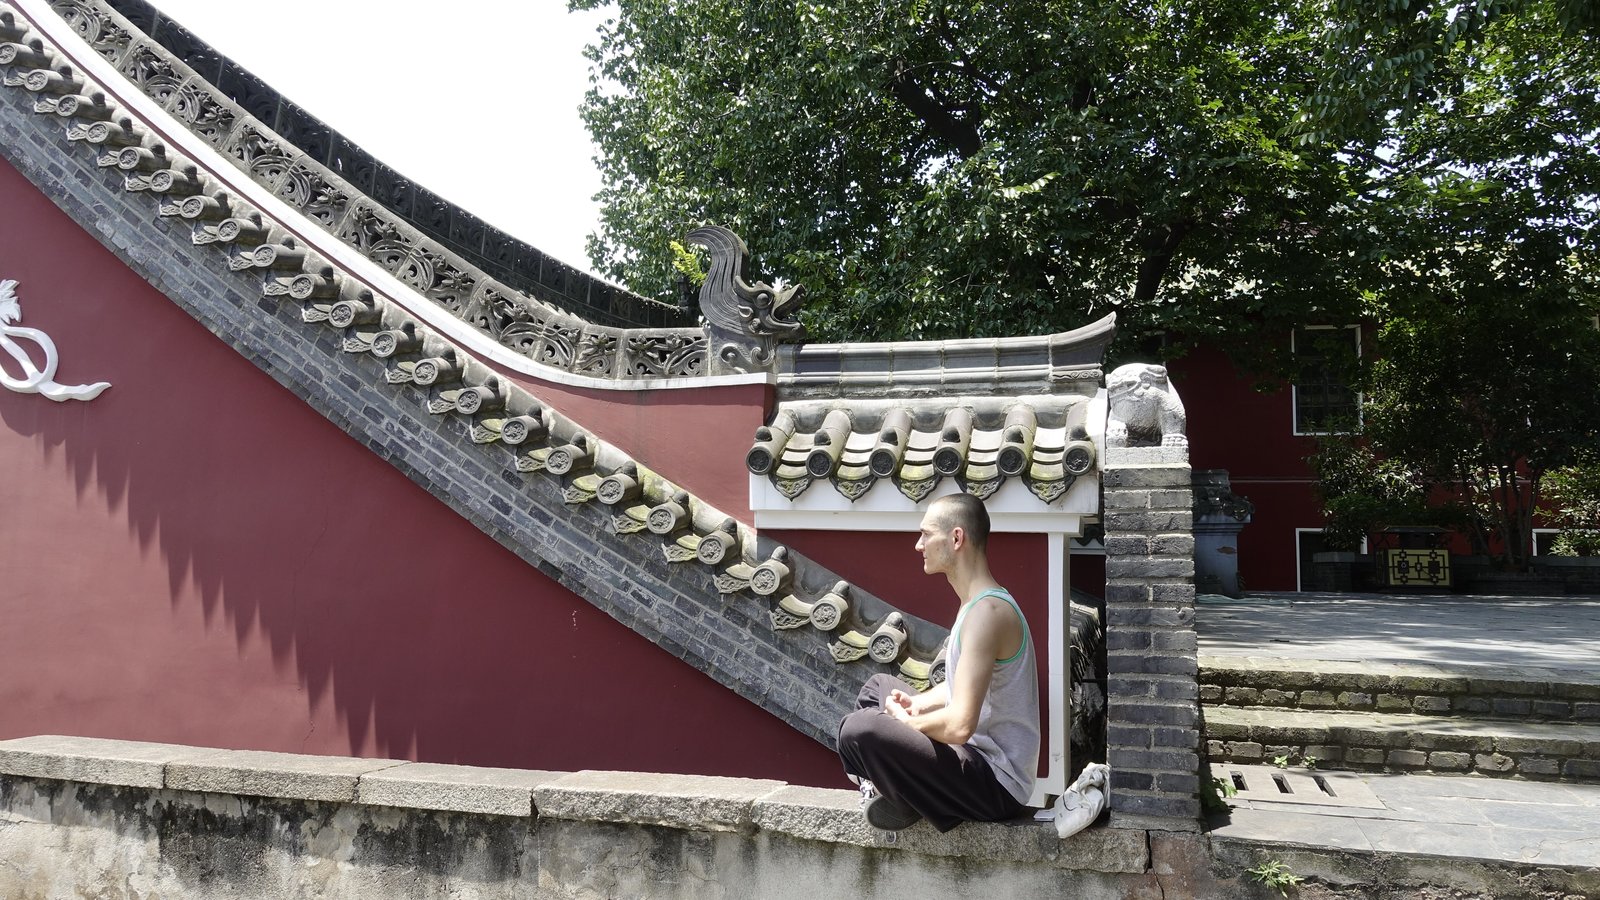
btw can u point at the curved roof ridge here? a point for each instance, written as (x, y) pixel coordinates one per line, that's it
(499, 254)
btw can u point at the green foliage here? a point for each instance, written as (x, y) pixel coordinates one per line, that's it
(1387, 59)
(1274, 874)
(1212, 172)
(1572, 493)
(1485, 394)
(1363, 493)
(939, 168)
(687, 264)
(1213, 795)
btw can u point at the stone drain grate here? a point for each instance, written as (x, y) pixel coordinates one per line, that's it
(1265, 784)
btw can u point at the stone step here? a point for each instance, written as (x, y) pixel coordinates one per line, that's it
(1394, 742)
(1528, 693)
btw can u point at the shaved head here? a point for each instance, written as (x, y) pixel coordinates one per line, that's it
(966, 512)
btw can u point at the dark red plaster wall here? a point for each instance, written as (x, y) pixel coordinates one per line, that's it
(1251, 434)
(697, 437)
(199, 557)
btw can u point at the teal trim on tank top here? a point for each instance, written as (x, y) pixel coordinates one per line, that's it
(1011, 602)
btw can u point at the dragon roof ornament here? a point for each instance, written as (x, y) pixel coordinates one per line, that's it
(744, 321)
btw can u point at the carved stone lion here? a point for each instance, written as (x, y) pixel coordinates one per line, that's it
(1145, 410)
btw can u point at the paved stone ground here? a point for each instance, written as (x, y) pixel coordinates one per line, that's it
(1439, 815)
(1500, 632)
(1462, 817)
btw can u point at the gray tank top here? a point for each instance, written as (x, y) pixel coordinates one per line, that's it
(1007, 736)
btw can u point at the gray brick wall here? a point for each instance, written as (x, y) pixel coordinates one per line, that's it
(790, 673)
(1152, 703)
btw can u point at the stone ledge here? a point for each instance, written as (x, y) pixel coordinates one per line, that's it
(469, 789)
(262, 773)
(704, 802)
(685, 802)
(834, 816)
(93, 760)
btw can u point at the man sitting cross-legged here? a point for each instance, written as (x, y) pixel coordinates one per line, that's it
(967, 749)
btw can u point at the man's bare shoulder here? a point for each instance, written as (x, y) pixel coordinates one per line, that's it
(994, 621)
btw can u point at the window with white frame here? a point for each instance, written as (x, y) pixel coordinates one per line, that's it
(1544, 539)
(1308, 542)
(1323, 399)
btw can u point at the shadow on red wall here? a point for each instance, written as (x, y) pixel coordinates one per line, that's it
(198, 557)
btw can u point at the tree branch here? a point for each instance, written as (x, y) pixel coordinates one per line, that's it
(1159, 251)
(960, 133)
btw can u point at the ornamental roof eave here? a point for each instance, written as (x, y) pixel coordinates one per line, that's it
(528, 333)
(1048, 443)
(1065, 363)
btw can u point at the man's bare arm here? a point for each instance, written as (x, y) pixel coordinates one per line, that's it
(931, 700)
(988, 628)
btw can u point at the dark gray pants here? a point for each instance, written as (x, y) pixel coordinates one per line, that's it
(948, 784)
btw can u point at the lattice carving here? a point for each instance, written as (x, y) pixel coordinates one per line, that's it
(265, 159)
(205, 114)
(596, 351)
(97, 28)
(315, 197)
(666, 355)
(558, 344)
(152, 73)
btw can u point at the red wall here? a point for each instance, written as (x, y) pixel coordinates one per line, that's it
(198, 557)
(697, 437)
(1251, 434)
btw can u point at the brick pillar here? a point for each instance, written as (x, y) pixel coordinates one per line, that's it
(1152, 658)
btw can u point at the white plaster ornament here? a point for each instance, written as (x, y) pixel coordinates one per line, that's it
(34, 380)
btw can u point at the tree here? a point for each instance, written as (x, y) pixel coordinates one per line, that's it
(934, 168)
(1574, 496)
(1481, 199)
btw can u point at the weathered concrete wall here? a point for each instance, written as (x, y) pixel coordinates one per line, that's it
(116, 820)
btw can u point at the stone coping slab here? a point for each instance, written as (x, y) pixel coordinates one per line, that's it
(263, 773)
(469, 789)
(689, 802)
(834, 816)
(708, 802)
(93, 760)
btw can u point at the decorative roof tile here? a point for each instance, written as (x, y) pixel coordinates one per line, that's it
(980, 442)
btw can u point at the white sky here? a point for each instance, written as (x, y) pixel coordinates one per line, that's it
(415, 84)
